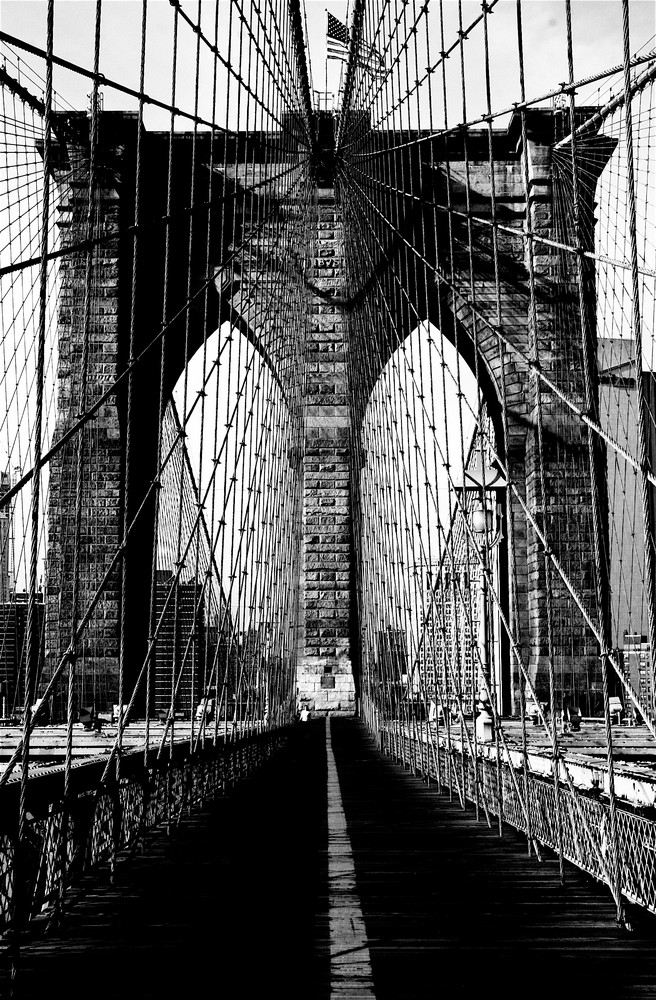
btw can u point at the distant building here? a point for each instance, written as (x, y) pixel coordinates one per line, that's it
(617, 391)
(180, 649)
(450, 626)
(637, 670)
(13, 646)
(430, 644)
(391, 663)
(626, 522)
(452, 642)
(222, 651)
(247, 684)
(6, 542)
(392, 653)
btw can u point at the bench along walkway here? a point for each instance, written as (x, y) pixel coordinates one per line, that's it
(335, 873)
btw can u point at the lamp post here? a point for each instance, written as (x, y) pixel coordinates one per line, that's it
(479, 504)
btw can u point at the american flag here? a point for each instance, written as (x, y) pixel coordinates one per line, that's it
(337, 40)
(337, 45)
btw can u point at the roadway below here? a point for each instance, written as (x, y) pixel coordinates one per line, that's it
(334, 873)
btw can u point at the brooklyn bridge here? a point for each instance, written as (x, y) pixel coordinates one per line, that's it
(328, 498)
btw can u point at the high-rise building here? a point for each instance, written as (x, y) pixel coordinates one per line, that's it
(450, 631)
(628, 583)
(181, 645)
(249, 679)
(6, 555)
(392, 662)
(13, 646)
(637, 670)
(429, 639)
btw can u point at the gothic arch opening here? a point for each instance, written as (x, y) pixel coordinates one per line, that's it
(227, 495)
(422, 611)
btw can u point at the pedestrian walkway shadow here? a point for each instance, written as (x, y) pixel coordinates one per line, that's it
(231, 903)
(452, 908)
(331, 874)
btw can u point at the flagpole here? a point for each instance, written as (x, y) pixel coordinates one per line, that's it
(325, 86)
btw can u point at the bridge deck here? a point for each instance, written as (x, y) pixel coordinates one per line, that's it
(271, 890)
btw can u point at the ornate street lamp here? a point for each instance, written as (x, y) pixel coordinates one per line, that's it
(480, 505)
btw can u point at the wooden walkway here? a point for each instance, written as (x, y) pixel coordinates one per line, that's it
(334, 873)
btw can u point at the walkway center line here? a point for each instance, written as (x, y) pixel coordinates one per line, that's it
(350, 961)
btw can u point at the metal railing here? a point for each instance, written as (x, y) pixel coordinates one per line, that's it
(68, 838)
(584, 821)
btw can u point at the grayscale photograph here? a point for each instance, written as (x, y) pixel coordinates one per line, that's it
(328, 499)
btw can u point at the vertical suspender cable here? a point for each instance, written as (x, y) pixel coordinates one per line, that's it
(80, 452)
(534, 340)
(594, 459)
(22, 875)
(636, 325)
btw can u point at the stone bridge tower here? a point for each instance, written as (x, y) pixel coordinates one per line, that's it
(545, 315)
(532, 321)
